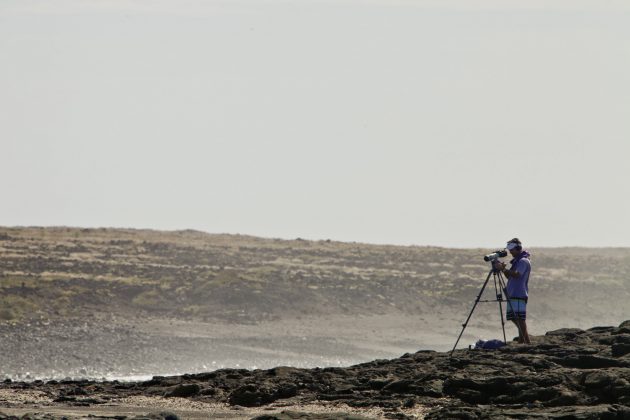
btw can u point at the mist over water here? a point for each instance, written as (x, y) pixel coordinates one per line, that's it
(195, 348)
(164, 355)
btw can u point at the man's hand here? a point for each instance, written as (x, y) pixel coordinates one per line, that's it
(498, 265)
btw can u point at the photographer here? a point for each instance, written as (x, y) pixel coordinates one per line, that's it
(517, 287)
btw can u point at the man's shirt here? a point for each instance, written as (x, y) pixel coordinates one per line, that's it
(517, 287)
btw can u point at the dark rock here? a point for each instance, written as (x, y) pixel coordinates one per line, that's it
(156, 380)
(600, 330)
(460, 413)
(336, 397)
(429, 389)
(76, 391)
(63, 398)
(620, 349)
(620, 388)
(251, 396)
(293, 415)
(625, 324)
(598, 379)
(400, 387)
(625, 400)
(183, 391)
(282, 371)
(410, 403)
(566, 332)
(566, 397)
(588, 362)
(208, 391)
(167, 415)
(286, 391)
(164, 415)
(377, 384)
(622, 338)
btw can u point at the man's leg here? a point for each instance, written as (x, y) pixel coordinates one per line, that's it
(523, 323)
(512, 315)
(517, 323)
(523, 334)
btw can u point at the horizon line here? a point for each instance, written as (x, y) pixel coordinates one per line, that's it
(298, 238)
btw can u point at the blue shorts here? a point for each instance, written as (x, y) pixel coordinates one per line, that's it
(516, 309)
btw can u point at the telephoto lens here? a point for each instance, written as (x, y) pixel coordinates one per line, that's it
(496, 254)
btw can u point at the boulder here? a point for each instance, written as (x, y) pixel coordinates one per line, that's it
(620, 349)
(252, 395)
(183, 391)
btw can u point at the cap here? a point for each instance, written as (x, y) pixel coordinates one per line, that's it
(512, 245)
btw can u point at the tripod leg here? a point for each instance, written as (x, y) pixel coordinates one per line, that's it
(472, 310)
(499, 299)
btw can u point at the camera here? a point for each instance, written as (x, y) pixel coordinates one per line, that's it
(495, 255)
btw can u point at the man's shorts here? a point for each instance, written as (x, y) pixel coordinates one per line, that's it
(516, 309)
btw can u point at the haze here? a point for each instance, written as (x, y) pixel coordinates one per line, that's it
(450, 123)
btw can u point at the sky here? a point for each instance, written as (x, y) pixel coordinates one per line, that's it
(444, 123)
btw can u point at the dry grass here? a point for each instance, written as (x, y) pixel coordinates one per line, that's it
(49, 272)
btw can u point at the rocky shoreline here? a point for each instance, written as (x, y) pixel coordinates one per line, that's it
(566, 373)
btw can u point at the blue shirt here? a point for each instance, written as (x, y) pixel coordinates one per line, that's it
(517, 286)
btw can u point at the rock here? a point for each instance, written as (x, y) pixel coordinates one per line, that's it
(208, 391)
(293, 415)
(566, 397)
(598, 379)
(400, 387)
(377, 384)
(429, 389)
(282, 371)
(156, 380)
(76, 391)
(286, 391)
(588, 362)
(622, 338)
(620, 349)
(183, 391)
(251, 396)
(566, 332)
(164, 415)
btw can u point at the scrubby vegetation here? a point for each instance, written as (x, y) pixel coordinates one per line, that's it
(59, 272)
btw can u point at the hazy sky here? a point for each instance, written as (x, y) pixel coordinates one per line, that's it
(451, 123)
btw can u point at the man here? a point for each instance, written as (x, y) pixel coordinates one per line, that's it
(517, 287)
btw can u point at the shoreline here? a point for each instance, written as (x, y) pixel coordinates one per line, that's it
(136, 350)
(566, 372)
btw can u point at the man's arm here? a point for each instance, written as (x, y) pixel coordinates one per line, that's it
(507, 273)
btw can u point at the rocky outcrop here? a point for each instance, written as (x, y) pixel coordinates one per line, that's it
(567, 373)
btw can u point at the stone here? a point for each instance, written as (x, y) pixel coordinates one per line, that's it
(587, 362)
(620, 349)
(251, 395)
(183, 391)
(400, 387)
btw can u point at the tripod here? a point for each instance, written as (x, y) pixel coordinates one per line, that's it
(499, 285)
